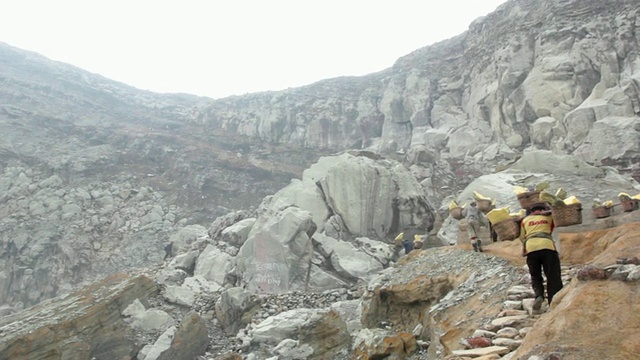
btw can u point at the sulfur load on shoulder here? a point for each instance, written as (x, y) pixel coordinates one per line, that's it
(571, 200)
(561, 194)
(550, 198)
(497, 215)
(541, 186)
(478, 196)
(597, 203)
(624, 197)
(455, 210)
(520, 190)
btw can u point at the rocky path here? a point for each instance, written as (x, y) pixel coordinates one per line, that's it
(503, 335)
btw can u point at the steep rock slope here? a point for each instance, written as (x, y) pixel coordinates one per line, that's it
(559, 75)
(96, 176)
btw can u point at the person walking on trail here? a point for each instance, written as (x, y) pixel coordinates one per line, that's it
(407, 238)
(540, 249)
(474, 220)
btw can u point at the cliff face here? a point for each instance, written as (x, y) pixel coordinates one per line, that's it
(558, 75)
(93, 171)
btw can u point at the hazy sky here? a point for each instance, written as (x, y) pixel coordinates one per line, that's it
(218, 48)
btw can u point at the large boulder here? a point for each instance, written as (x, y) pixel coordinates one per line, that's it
(233, 303)
(320, 333)
(348, 261)
(277, 254)
(611, 139)
(306, 195)
(190, 340)
(213, 264)
(237, 233)
(545, 161)
(375, 197)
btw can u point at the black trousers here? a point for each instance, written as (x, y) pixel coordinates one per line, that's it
(549, 261)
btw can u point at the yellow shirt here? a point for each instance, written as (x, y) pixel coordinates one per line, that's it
(537, 224)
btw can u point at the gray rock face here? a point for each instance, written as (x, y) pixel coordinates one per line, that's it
(90, 230)
(371, 195)
(550, 75)
(81, 325)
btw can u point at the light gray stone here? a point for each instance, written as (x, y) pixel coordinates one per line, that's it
(179, 295)
(153, 352)
(213, 264)
(135, 309)
(152, 320)
(237, 233)
(507, 332)
(276, 328)
(509, 343)
(184, 261)
(351, 312)
(499, 350)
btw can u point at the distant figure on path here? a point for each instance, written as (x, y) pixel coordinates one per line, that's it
(408, 237)
(474, 221)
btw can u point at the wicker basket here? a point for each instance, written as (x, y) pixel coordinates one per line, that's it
(507, 229)
(528, 199)
(463, 225)
(485, 205)
(567, 215)
(602, 212)
(629, 205)
(456, 213)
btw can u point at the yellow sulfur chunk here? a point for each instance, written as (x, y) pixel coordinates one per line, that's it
(497, 215)
(478, 196)
(561, 194)
(542, 186)
(624, 196)
(520, 190)
(571, 200)
(550, 198)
